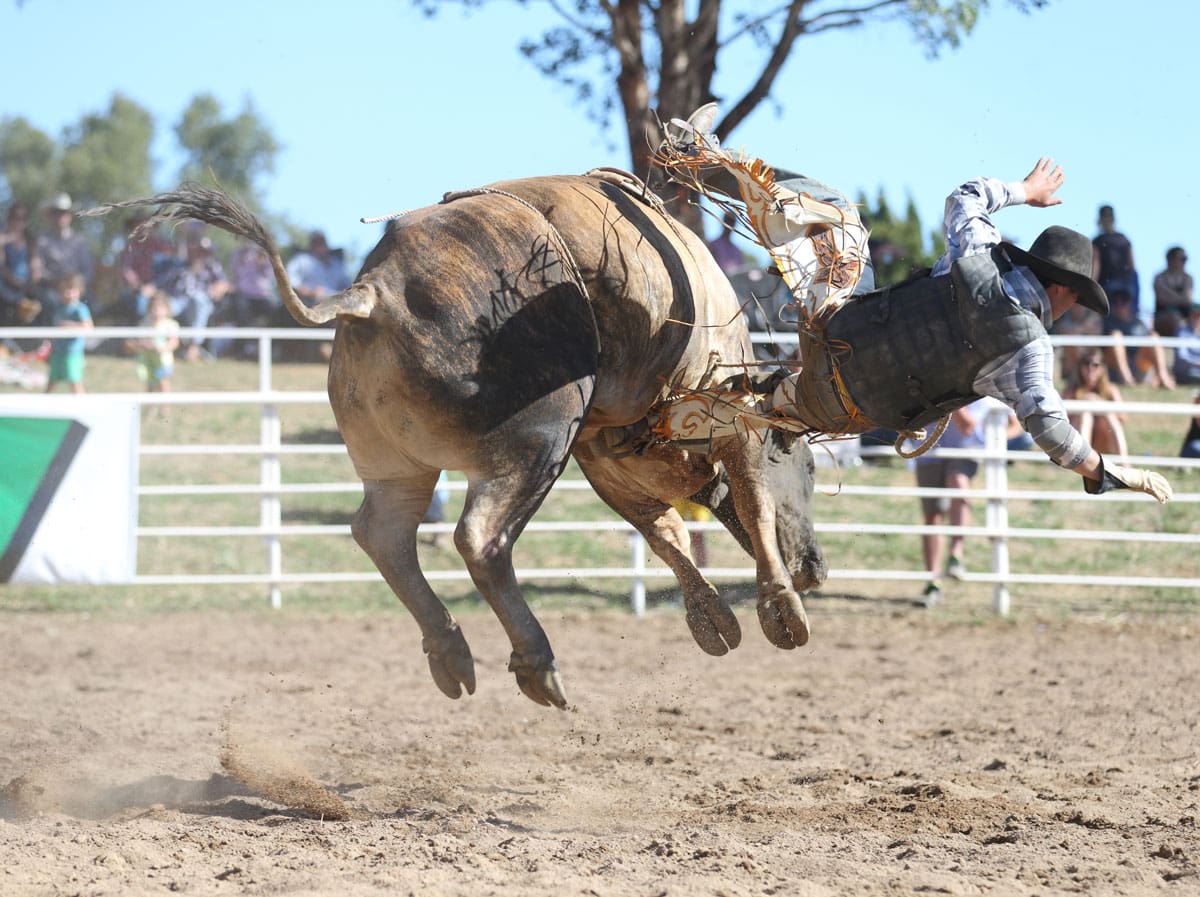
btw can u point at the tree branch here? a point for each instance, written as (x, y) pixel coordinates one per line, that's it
(850, 15)
(754, 24)
(761, 88)
(578, 23)
(794, 26)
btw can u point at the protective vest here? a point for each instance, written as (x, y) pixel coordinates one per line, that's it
(908, 354)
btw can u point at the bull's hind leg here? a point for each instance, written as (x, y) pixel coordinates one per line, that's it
(496, 510)
(514, 470)
(386, 529)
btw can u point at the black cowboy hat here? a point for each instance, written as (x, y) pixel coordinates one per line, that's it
(1064, 256)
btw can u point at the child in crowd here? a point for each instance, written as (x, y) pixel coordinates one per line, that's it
(1089, 382)
(156, 355)
(66, 355)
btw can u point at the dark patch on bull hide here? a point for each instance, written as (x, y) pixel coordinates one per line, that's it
(683, 301)
(484, 319)
(545, 343)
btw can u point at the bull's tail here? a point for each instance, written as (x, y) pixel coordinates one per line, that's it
(191, 201)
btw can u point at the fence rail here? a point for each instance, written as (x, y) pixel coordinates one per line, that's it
(272, 453)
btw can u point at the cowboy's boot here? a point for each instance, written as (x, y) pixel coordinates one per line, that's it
(684, 135)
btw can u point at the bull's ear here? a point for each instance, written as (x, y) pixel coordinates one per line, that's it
(712, 493)
(720, 489)
(779, 444)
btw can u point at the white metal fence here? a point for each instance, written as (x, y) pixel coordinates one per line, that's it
(996, 494)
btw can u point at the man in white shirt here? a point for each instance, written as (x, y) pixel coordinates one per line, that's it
(319, 272)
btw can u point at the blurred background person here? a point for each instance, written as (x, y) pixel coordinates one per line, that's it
(1089, 382)
(965, 430)
(1112, 261)
(19, 269)
(61, 249)
(67, 355)
(1172, 293)
(1191, 442)
(15, 253)
(195, 288)
(1133, 364)
(254, 297)
(1078, 321)
(316, 273)
(1187, 354)
(255, 300)
(724, 250)
(436, 512)
(143, 259)
(156, 354)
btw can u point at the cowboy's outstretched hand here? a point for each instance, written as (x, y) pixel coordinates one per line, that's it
(1041, 183)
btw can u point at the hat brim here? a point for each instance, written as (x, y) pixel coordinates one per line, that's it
(1091, 294)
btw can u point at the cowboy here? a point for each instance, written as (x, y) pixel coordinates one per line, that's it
(976, 324)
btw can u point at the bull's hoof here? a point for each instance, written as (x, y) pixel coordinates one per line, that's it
(713, 625)
(450, 661)
(539, 680)
(783, 620)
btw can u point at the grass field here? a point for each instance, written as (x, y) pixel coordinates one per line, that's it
(1149, 435)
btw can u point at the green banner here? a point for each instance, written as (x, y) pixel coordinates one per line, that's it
(35, 454)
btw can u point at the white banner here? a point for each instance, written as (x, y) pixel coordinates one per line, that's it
(68, 494)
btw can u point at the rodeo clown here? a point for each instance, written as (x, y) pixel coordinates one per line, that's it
(905, 356)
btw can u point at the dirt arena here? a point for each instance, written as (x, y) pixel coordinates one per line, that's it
(897, 753)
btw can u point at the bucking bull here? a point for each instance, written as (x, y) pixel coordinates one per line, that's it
(508, 328)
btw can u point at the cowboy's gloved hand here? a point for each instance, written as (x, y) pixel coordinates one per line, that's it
(1114, 476)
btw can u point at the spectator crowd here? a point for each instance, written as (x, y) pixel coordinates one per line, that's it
(49, 276)
(1168, 309)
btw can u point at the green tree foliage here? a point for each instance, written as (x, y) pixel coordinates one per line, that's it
(106, 156)
(230, 152)
(29, 163)
(898, 244)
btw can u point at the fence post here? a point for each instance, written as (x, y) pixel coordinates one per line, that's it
(270, 513)
(996, 482)
(637, 599)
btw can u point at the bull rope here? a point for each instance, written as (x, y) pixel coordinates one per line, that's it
(379, 219)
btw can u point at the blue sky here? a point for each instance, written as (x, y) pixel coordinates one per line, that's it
(379, 109)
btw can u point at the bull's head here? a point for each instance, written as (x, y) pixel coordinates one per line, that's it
(788, 469)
